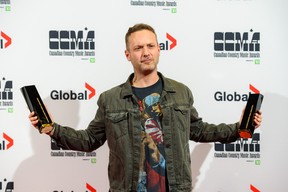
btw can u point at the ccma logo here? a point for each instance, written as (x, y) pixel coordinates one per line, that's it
(244, 45)
(71, 40)
(9, 185)
(6, 95)
(235, 41)
(72, 43)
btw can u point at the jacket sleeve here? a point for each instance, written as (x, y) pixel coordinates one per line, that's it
(206, 132)
(83, 140)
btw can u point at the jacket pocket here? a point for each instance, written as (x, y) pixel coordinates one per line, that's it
(117, 123)
(181, 114)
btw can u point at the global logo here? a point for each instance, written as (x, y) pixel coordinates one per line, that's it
(89, 187)
(6, 143)
(169, 44)
(223, 96)
(72, 95)
(254, 189)
(5, 40)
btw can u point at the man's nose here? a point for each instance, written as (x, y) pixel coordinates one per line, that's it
(146, 52)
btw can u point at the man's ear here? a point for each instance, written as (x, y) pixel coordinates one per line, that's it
(127, 54)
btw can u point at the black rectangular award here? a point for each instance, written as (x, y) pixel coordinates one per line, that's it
(253, 105)
(35, 103)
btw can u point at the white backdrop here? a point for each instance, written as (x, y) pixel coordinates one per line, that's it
(30, 162)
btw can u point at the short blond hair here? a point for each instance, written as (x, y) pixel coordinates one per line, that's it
(138, 27)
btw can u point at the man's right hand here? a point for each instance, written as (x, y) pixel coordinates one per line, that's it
(33, 119)
(49, 130)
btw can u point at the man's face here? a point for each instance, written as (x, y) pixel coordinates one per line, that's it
(143, 51)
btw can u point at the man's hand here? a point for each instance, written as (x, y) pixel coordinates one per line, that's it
(257, 118)
(34, 121)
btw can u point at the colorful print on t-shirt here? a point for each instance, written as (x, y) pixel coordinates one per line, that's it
(152, 164)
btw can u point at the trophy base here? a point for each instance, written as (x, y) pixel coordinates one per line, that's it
(245, 134)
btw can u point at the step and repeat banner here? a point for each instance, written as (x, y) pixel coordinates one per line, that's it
(74, 50)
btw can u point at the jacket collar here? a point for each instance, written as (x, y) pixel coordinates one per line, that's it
(127, 88)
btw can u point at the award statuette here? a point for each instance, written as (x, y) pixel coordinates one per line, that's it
(35, 103)
(253, 105)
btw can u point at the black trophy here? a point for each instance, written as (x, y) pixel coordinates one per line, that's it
(35, 103)
(253, 105)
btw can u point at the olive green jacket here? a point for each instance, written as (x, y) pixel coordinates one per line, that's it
(117, 121)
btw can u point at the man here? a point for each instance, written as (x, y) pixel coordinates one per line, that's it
(147, 122)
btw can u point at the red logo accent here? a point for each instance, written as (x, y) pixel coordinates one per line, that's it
(91, 89)
(90, 188)
(254, 189)
(7, 38)
(9, 139)
(253, 89)
(172, 39)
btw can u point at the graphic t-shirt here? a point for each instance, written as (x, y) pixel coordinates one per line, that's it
(152, 162)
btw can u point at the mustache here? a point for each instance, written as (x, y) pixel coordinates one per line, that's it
(146, 59)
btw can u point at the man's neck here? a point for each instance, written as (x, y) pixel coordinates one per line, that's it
(145, 80)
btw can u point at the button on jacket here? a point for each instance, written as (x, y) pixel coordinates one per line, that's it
(117, 121)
